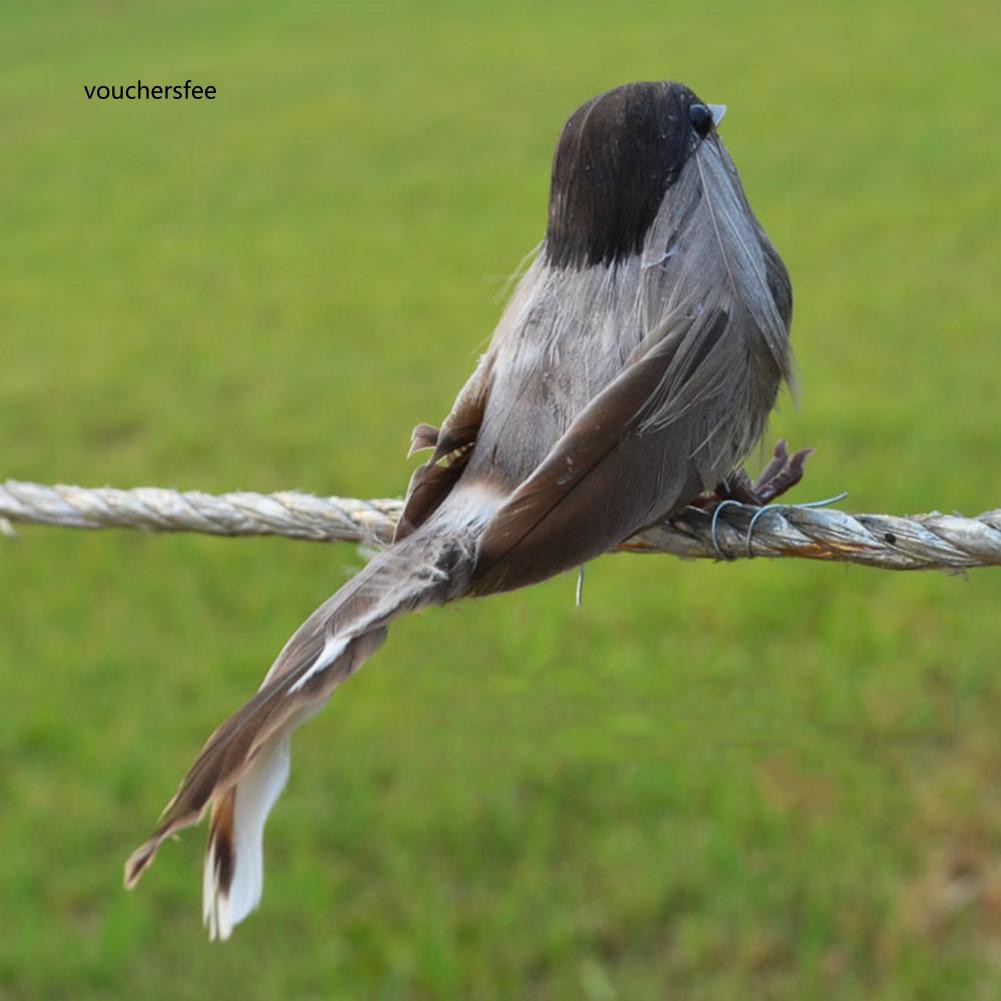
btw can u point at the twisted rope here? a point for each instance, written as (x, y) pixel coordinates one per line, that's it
(921, 542)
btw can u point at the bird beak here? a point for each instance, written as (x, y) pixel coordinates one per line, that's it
(718, 111)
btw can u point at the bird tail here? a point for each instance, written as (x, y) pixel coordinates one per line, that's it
(244, 765)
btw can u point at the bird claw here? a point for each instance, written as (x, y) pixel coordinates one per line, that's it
(780, 475)
(423, 436)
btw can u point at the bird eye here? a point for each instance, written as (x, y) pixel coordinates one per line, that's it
(701, 118)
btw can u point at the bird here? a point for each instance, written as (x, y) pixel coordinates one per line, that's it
(633, 369)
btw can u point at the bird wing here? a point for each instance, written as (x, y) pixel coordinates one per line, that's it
(639, 451)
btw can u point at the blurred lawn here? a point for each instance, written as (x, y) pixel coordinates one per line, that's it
(712, 782)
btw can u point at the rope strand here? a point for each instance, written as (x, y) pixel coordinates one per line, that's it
(919, 542)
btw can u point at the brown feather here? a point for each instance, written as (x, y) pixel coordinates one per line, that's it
(221, 840)
(602, 482)
(432, 482)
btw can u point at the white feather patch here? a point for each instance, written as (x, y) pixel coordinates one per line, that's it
(256, 793)
(333, 647)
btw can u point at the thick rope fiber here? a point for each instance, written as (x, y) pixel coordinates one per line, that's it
(920, 542)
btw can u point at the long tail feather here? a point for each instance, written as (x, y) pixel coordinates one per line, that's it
(229, 754)
(234, 859)
(244, 765)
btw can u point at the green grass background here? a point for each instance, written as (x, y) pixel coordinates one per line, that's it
(713, 781)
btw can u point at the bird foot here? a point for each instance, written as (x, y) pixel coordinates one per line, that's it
(422, 437)
(781, 474)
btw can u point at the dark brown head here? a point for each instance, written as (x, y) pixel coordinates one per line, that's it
(615, 159)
